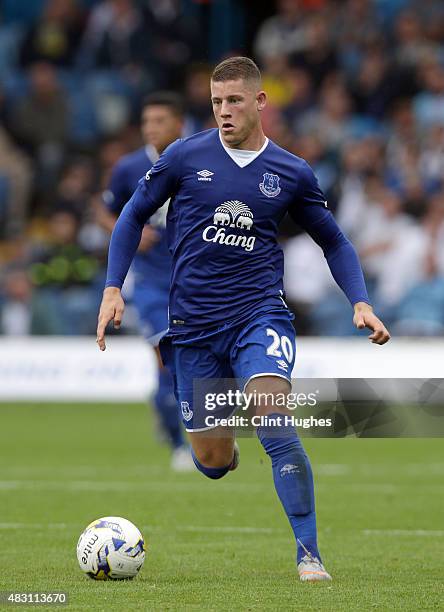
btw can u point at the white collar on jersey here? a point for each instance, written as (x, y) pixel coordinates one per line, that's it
(242, 157)
(151, 153)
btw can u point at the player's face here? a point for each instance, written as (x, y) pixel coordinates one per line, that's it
(160, 126)
(236, 107)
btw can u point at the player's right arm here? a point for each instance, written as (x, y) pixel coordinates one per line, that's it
(159, 184)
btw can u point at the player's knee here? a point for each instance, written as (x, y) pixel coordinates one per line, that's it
(210, 471)
(213, 460)
(213, 457)
(268, 395)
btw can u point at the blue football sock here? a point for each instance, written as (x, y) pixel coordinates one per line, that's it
(293, 480)
(166, 406)
(211, 472)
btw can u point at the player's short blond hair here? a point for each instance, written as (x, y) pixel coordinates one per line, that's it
(235, 68)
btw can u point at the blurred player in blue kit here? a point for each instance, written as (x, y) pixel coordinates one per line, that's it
(230, 187)
(161, 124)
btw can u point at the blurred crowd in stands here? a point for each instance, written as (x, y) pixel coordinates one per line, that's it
(356, 87)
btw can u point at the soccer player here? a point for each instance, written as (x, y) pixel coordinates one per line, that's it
(162, 124)
(230, 187)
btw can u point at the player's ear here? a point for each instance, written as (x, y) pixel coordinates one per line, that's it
(261, 100)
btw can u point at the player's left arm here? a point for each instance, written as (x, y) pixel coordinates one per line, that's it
(365, 317)
(311, 213)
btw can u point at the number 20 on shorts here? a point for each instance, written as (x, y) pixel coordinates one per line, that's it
(280, 344)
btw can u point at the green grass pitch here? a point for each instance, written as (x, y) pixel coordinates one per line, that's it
(222, 545)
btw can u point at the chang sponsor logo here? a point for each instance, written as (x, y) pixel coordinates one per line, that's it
(231, 214)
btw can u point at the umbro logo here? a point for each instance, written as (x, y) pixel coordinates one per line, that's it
(289, 468)
(204, 175)
(282, 365)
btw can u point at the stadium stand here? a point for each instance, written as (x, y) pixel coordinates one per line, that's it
(356, 87)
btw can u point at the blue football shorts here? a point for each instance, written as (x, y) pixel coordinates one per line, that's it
(264, 345)
(152, 311)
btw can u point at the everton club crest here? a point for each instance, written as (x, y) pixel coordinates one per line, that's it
(270, 185)
(187, 413)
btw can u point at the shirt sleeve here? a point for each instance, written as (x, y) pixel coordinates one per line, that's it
(159, 184)
(310, 211)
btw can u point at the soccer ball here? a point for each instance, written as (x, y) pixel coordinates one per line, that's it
(111, 548)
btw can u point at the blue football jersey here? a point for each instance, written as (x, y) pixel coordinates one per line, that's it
(222, 228)
(152, 268)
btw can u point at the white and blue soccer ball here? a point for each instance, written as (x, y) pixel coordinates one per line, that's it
(111, 548)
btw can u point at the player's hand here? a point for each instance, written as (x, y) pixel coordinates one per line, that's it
(111, 309)
(149, 238)
(365, 317)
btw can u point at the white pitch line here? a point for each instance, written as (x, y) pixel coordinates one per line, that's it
(33, 525)
(146, 472)
(151, 529)
(332, 469)
(409, 469)
(405, 532)
(122, 486)
(227, 529)
(241, 488)
(433, 533)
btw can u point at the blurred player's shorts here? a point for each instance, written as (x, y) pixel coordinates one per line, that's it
(152, 311)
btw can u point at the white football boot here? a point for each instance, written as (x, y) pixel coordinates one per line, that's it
(310, 569)
(181, 460)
